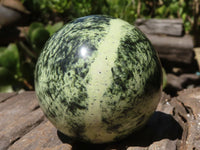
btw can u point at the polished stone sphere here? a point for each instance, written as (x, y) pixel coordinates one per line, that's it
(98, 79)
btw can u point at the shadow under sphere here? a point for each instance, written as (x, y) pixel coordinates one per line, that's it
(160, 126)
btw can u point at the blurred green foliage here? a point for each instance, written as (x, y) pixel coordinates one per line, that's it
(9, 66)
(128, 10)
(17, 60)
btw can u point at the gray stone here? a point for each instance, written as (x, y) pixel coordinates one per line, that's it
(173, 27)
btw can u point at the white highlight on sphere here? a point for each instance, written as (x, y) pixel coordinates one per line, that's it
(84, 51)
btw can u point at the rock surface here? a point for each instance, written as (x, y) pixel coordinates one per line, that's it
(166, 35)
(174, 125)
(177, 83)
(172, 27)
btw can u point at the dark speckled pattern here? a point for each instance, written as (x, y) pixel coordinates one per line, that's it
(98, 79)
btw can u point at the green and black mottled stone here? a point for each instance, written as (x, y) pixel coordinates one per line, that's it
(98, 79)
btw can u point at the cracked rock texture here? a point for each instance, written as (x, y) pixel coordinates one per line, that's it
(174, 125)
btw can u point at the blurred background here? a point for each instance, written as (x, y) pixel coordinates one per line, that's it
(25, 26)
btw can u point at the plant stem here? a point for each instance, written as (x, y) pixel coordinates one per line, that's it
(195, 25)
(138, 8)
(27, 50)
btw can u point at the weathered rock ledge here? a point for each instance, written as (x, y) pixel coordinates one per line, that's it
(174, 125)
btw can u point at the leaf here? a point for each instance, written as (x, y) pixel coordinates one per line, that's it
(53, 28)
(173, 7)
(9, 58)
(34, 26)
(6, 89)
(39, 36)
(161, 10)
